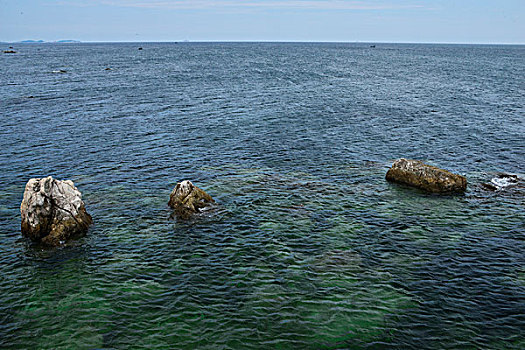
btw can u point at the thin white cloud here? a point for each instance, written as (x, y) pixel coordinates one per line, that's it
(262, 4)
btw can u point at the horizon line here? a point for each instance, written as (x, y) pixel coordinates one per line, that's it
(186, 41)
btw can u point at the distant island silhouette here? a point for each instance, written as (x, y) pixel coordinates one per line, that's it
(66, 41)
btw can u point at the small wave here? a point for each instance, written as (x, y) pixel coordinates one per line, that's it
(504, 180)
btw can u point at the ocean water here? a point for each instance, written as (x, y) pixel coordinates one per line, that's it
(309, 247)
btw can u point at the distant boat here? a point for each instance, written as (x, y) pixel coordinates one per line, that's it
(372, 46)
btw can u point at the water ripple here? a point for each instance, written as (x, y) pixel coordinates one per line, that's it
(309, 246)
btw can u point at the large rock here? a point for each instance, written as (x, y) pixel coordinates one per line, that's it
(187, 199)
(53, 211)
(418, 174)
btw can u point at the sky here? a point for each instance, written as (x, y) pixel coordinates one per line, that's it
(410, 21)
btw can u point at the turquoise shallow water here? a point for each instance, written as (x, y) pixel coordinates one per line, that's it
(310, 247)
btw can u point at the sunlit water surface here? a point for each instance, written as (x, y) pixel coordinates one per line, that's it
(310, 247)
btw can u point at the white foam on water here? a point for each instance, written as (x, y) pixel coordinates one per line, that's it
(502, 182)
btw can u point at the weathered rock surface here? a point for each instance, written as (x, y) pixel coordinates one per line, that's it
(418, 174)
(187, 199)
(53, 211)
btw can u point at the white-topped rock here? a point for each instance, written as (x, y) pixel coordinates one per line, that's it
(53, 211)
(187, 199)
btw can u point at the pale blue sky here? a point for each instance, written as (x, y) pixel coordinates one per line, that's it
(443, 21)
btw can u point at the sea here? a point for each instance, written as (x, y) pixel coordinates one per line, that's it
(309, 247)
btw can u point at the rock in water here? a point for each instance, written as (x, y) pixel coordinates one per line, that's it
(188, 199)
(53, 211)
(418, 174)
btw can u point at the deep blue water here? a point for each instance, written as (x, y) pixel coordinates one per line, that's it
(310, 246)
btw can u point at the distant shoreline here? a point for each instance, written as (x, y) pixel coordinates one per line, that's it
(255, 42)
(66, 41)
